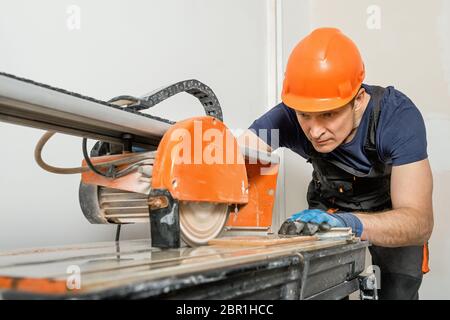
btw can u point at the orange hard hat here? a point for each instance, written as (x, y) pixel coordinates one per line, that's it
(324, 72)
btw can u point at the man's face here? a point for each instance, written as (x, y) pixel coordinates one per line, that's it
(327, 130)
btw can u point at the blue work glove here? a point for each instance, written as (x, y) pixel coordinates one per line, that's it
(308, 222)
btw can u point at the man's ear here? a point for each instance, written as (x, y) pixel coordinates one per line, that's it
(359, 99)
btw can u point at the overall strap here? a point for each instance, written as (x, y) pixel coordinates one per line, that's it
(370, 144)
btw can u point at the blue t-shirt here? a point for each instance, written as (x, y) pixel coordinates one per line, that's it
(400, 139)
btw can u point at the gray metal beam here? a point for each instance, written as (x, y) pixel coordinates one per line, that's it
(32, 104)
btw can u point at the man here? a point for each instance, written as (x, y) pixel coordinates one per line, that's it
(368, 148)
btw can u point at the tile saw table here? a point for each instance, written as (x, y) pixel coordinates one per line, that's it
(207, 200)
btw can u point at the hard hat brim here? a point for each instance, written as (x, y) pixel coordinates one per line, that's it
(314, 104)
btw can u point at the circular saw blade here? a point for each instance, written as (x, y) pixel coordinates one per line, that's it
(201, 221)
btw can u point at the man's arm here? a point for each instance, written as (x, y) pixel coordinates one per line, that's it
(410, 222)
(250, 140)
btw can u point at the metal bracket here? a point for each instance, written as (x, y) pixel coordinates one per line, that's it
(368, 287)
(164, 222)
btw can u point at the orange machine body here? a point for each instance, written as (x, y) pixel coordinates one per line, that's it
(198, 159)
(262, 181)
(133, 182)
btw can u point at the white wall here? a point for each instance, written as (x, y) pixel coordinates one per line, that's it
(295, 26)
(122, 47)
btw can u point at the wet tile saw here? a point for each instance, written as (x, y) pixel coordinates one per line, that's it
(190, 178)
(192, 181)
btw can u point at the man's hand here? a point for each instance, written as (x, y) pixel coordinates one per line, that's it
(308, 222)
